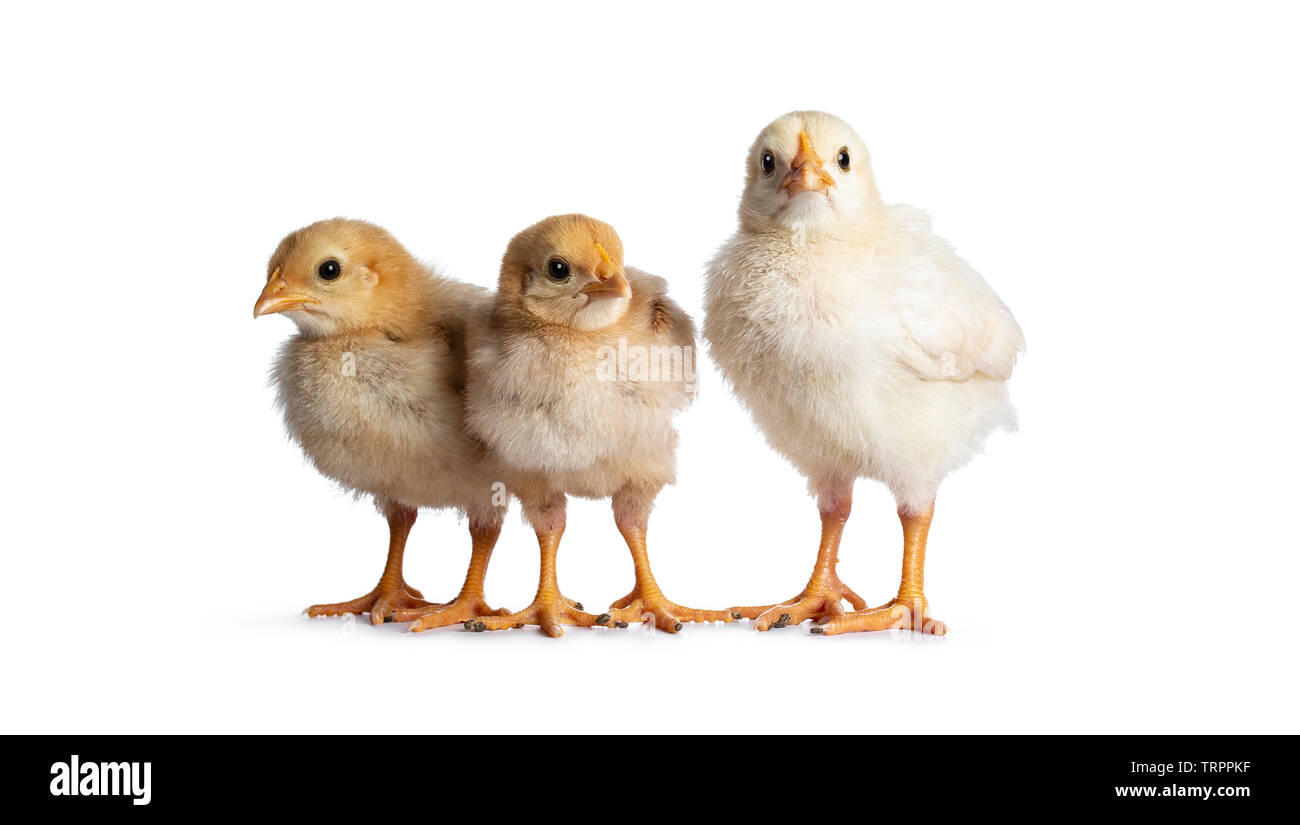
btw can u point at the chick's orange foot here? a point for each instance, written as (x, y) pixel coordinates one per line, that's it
(457, 611)
(664, 614)
(820, 601)
(549, 611)
(897, 614)
(382, 603)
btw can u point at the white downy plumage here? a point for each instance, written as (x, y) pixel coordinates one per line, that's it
(862, 343)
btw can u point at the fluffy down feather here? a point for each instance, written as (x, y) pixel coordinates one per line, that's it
(379, 407)
(861, 342)
(539, 400)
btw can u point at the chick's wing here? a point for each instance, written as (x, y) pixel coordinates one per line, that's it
(954, 325)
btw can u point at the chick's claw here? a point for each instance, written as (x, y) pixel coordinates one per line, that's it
(383, 604)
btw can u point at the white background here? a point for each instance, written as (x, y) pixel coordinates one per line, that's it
(1123, 174)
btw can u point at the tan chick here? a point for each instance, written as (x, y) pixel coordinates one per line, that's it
(554, 398)
(372, 388)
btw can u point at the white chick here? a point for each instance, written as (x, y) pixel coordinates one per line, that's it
(862, 344)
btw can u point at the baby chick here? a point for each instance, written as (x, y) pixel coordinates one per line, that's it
(549, 395)
(372, 387)
(862, 345)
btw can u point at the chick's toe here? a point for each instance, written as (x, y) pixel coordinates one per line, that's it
(383, 604)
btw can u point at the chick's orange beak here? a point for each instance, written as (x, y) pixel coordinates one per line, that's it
(806, 172)
(609, 286)
(275, 297)
(610, 280)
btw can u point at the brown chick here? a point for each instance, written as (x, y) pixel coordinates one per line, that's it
(573, 382)
(372, 388)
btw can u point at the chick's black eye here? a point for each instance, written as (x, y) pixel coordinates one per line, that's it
(329, 270)
(769, 164)
(843, 159)
(557, 270)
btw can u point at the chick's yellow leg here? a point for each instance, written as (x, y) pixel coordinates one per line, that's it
(646, 603)
(550, 610)
(392, 593)
(909, 610)
(821, 599)
(469, 603)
